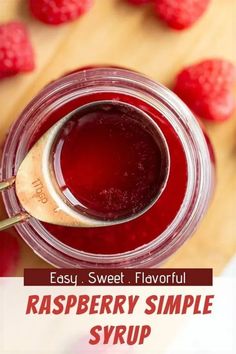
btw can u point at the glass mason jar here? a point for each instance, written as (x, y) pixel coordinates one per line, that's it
(154, 236)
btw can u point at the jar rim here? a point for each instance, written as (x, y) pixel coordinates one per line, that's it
(200, 176)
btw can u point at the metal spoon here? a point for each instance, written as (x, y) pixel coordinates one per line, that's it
(38, 192)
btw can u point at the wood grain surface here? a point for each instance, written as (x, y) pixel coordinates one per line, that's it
(116, 33)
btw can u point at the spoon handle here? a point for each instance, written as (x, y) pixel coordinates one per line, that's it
(6, 224)
(7, 184)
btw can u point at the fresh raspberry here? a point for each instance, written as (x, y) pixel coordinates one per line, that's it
(139, 2)
(55, 12)
(16, 52)
(206, 88)
(180, 14)
(9, 253)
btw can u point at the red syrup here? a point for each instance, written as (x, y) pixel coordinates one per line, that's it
(144, 229)
(109, 161)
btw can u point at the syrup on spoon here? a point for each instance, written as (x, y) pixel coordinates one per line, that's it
(38, 186)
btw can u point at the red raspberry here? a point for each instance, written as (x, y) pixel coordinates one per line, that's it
(206, 88)
(9, 253)
(180, 14)
(16, 52)
(55, 12)
(139, 2)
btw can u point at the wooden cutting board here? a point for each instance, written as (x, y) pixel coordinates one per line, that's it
(116, 33)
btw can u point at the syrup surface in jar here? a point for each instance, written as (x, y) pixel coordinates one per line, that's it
(138, 232)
